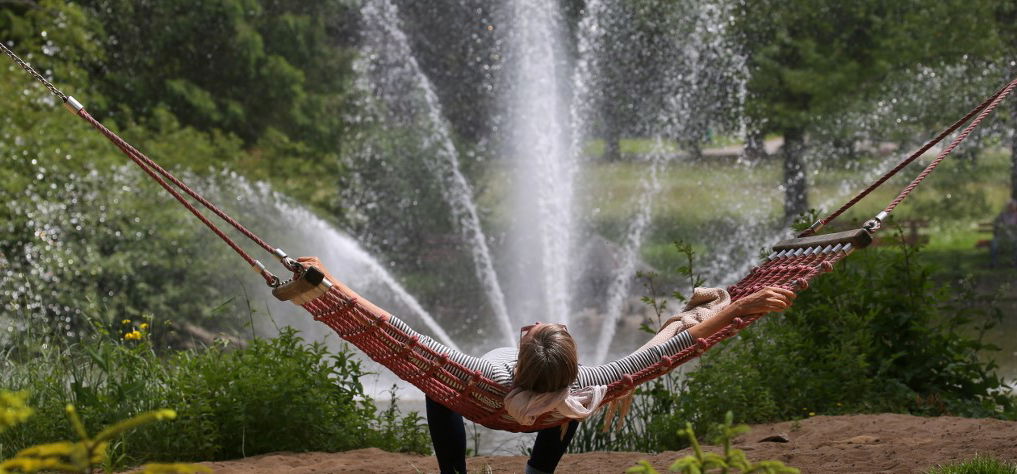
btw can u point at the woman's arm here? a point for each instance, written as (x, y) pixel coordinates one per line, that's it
(767, 300)
(496, 372)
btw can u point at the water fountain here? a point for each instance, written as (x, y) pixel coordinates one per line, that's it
(548, 101)
(385, 44)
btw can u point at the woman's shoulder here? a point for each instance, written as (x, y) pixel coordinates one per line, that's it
(502, 355)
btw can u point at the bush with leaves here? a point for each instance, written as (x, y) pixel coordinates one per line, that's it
(980, 464)
(274, 394)
(81, 456)
(879, 334)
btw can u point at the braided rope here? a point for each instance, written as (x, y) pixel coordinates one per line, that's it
(161, 175)
(946, 151)
(32, 72)
(984, 108)
(131, 151)
(137, 157)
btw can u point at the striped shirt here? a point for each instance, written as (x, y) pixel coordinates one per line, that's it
(499, 365)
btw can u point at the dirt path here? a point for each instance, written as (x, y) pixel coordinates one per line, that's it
(856, 444)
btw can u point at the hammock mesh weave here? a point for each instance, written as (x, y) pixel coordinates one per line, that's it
(480, 399)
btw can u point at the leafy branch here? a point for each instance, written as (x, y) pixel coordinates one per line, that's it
(80, 456)
(732, 460)
(649, 282)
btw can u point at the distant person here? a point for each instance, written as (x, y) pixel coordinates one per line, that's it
(1004, 232)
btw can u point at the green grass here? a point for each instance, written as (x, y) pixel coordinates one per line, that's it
(980, 464)
(704, 194)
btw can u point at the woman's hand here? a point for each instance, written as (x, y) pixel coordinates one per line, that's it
(767, 300)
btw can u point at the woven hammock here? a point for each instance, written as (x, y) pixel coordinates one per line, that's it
(480, 399)
(792, 265)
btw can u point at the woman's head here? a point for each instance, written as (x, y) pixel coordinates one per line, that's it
(547, 359)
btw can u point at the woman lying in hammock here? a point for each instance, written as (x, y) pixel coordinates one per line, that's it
(545, 375)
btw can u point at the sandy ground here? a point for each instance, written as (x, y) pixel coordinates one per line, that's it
(856, 443)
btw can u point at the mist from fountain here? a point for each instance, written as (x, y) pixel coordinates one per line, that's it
(390, 72)
(303, 233)
(550, 101)
(678, 113)
(544, 169)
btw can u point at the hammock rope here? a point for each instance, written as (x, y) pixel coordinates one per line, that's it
(981, 111)
(161, 176)
(792, 265)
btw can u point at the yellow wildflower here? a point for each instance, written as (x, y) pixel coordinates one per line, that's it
(13, 409)
(126, 321)
(174, 469)
(144, 326)
(812, 413)
(133, 336)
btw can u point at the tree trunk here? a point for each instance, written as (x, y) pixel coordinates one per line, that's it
(1013, 144)
(612, 147)
(755, 145)
(796, 199)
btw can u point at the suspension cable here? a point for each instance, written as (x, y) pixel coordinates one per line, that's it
(161, 176)
(979, 113)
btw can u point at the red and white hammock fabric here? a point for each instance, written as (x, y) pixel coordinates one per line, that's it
(792, 265)
(481, 399)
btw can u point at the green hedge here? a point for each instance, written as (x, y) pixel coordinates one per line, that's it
(278, 394)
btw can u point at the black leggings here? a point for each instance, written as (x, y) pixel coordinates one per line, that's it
(448, 434)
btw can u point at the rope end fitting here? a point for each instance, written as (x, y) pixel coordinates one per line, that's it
(72, 105)
(815, 227)
(874, 224)
(272, 280)
(290, 264)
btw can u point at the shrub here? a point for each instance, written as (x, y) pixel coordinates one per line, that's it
(86, 454)
(877, 335)
(730, 459)
(275, 394)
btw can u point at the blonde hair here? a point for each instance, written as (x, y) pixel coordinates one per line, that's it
(547, 359)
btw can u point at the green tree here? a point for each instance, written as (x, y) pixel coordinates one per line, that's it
(810, 59)
(1006, 17)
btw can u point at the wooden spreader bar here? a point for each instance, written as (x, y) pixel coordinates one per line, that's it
(310, 284)
(858, 238)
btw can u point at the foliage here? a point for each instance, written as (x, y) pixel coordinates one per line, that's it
(82, 236)
(810, 61)
(274, 394)
(13, 409)
(268, 77)
(877, 335)
(809, 58)
(88, 452)
(259, 64)
(701, 462)
(980, 464)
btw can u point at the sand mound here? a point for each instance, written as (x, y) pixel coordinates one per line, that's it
(821, 444)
